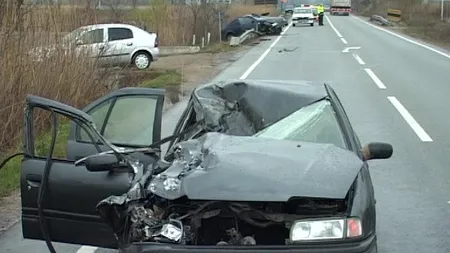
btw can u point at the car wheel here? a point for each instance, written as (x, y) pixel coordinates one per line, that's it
(228, 37)
(312, 24)
(142, 60)
(293, 24)
(279, 31)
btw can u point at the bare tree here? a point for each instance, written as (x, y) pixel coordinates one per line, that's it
(195, 6)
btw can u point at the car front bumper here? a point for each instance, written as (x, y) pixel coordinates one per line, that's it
(368, 245)
(304, 21)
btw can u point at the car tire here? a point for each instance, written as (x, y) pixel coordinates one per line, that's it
(142, 60)
(312, 24)
(228, 37)
(293, 24)
(279, 31)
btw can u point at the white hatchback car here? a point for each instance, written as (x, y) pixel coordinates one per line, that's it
(112, 45)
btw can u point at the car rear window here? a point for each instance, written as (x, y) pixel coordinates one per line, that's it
(302, 10)
(119, 33)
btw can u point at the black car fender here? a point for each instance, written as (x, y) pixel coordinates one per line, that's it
(363, 201)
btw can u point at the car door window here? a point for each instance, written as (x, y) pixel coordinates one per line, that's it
(92, 36)
(234, 23)
(126, 123)
(247, 22)
(98, 115)
(119, 34)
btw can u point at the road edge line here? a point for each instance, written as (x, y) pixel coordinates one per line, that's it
(403, 37)
(261, 57)
(332, 27)
(87, 249)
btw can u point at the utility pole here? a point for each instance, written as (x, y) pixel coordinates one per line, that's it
(442, 10)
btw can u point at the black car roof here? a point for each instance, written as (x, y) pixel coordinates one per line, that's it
(253, 103)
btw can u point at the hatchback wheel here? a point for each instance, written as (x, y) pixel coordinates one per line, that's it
(142, 60)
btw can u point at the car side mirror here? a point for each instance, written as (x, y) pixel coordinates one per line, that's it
(104, 162)
(377, 150)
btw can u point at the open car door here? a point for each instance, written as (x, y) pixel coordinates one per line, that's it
(127, 117)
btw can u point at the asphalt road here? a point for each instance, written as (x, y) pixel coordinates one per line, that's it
(394, 90)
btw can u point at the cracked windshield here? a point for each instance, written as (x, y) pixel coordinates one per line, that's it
(140, 126)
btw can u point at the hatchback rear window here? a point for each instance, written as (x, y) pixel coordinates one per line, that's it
(119, 34)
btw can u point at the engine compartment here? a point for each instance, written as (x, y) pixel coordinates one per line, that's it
(223, 223)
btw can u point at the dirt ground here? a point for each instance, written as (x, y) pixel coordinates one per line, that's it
(195, 68)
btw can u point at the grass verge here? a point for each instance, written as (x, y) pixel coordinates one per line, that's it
(10, 173)
(219, 48)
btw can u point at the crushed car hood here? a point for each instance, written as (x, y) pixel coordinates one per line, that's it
(236, 168)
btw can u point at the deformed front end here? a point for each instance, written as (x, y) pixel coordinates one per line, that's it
(215, 196)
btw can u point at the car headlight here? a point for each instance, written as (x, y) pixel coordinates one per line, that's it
(307, 230)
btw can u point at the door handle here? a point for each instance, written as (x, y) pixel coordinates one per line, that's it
(129, 43)
(33, 180)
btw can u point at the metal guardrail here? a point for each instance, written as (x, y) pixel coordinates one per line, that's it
(394, 15)
(249, 34)
(380, 19)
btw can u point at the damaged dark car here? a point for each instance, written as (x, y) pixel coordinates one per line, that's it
(252, 165)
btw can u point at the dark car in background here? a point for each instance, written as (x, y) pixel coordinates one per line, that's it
(239, 173)
(252, 21)
(280, 20)
(238, 26)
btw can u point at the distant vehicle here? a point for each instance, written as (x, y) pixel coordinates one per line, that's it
(238, 26)
(253, 21)
(279, 20)
(110, 44)
(289, 9)
(341, 7)
(303, 15)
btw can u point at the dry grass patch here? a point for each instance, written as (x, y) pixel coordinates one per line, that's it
(418, 20)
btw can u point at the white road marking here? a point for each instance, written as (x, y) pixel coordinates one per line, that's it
(87, 249)
(404, 38)
(410, 120)
(376, 80)
(255, 64)
(332, 26)
(358, 59)
(344, 41)
(346, 50)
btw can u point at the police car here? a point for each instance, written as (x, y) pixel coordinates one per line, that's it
(303, 15)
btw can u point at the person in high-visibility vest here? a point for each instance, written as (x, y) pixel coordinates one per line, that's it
(321, 12)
